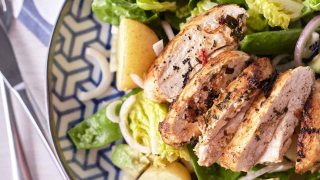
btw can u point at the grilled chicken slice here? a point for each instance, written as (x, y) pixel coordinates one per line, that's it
(185, 116)
(309, 136)
(281, 140)
(205, 36)
(213, 150)
(263, 118)
(228, 110)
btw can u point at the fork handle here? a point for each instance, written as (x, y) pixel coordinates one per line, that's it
(22, 162)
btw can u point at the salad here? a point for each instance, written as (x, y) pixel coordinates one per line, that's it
(213, 89)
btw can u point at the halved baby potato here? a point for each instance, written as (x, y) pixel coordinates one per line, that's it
(174, 171)
(134, 54)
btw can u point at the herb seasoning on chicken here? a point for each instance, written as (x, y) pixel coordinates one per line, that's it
(262, 119)
(185, 117)
(228, 110)
(202, 38)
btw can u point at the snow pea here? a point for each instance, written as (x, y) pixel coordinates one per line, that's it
(94, 132)
(270, 42)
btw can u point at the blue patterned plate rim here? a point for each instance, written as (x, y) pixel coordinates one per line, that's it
(66, 6)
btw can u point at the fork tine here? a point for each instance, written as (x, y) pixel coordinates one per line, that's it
(18, 161)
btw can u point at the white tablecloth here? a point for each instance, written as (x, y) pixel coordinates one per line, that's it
(30, 33)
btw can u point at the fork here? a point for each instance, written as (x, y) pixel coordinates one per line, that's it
(18, 160)
(20, 169)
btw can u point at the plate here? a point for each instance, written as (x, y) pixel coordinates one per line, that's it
(69, 72)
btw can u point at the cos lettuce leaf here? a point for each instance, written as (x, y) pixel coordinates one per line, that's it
(95, 132)
(183, 11)
(156, 5)
(144, 119)
(256, 22)
(193, 3)
(110, 11)
(314, 5)
(203, 6)
(277, 13)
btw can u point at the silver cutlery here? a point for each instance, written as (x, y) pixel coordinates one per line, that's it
(20, 169)
(10, 76)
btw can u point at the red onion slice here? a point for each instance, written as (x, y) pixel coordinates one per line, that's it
(286, 66)
(111, 111)
(158, 47)
(306, 33)
(167, 29)
(276, 60)
(107, 76)
(137, 80)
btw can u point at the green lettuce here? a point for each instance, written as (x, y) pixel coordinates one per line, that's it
(183, 11)
(192, 3)
(110, 11)
(156, 5)
(310, 6)
(128, 159)
(256, 22)
(202, 6)
(94, 132)
(314, 5)
(144, 119)
(97, 130)
(277, 13)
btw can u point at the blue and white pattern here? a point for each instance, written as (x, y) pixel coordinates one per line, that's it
(71, 73)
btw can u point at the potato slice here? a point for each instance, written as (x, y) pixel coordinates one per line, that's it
(134, 54)
(174, 171)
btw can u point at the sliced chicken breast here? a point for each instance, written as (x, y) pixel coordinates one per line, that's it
(281, 140)
(228, 110)
(214, 148)
(308, 157)
(263, 118)
(206, 35)
(185, 116)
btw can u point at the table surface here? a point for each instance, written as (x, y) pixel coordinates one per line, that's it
(31, 49)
